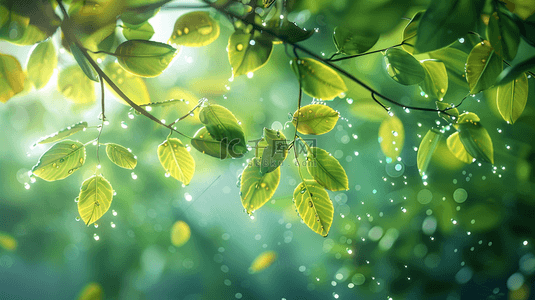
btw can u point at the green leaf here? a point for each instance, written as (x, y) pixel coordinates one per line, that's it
(7, 242)
(445, 21)
(84, 64)
(248, 52)
(326, 169)
(482, 67)
(369, 110)
(315, 119)
(176, 160)
(27, 22)
(275, 151)
(132, 86)
(468, 117)
(403, 67)
(180, 233)
(512, 98)
(318, 80)
(195, 29)
(455, 62)
(350, 41)
(58, 136)
(427, 148)
(11, 77)
(436, 79)
(457, 148)
(60, 161)
(206, 144)
(503, 32)
(223, 126)
(41, 64)
(257, 188)
(95, 198)
(314, 206)
(92, 291)
(264, 260)
(476, 141)
(143, 32)
(410, 32)
(289, 31)
(138, 17)
(391, 137)
(76, 86)
(121, 156)
(145, 58)
(515, 70)
(453, 113)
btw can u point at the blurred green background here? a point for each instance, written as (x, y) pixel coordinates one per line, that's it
(466, 232)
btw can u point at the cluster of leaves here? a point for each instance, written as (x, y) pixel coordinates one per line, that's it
(427, 58)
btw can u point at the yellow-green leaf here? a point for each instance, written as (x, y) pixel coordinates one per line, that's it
(84, 64)
(457, 148)
(132, 86)
(121, 156)
(223, 126)
(403, 67)
(326, 169)
(503, 32)
(248, 52)
(256, 188)
(275, 151)
(92, 291)
(482, 67)
(262, 261)
(427, 148)
(512, 98)
(7, 241)
(315, 119)
(369, 110)
(452, 113)
(11, 77)
(180, 233)
(95, 198)
(435, 83)
(476, 141)
(143, 32)
(145, 58)
(318, 80)
(314, 206)
(76, 86)
(391, 137)
(195, 29)
(350, 41)
(176, 160)
(58, 136)
(410, 32)
(206, 144)
(41, 64)
(60, 161)
(455, 62)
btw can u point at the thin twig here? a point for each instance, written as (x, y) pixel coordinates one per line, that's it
(362, 54)
(201, 102)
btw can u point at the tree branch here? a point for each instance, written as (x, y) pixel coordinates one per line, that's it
(318, 57)
(69, 35)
